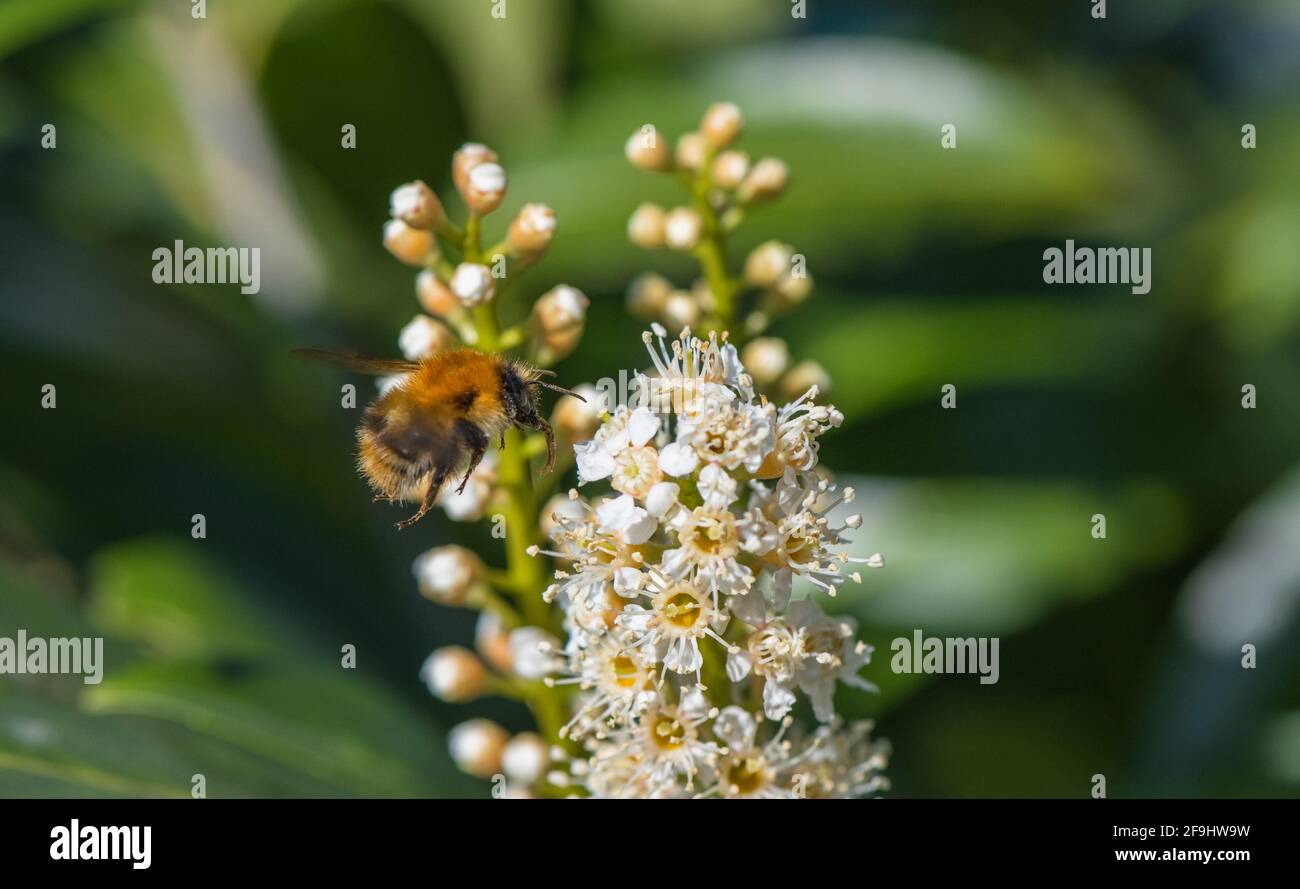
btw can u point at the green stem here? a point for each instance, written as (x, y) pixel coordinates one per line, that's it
(712, 253)
(525, 575)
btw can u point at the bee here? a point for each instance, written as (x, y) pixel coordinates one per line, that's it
(440, 419)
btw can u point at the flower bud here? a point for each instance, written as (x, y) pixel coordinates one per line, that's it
(453, 674)
(703, 294)
(767, 262)
(415, 204)
(578, 420)
(492, 641)
(560, 309)
(472, 283)
(765, 359)
(766, 179)
(802, 376)
(722, 124)
(691, 148)
(558, 317)
(470, 504)
(682, 228)
(729, 169)
(681, 310)
(793, 289)
(446, 574)
(412, 246)
(645, 227)
(485, 188)
(526, 758)
(532, 229)
(647, 150)
(647, 295)
(470, 155)
(436, 297)
(476, 747)
(533, 652)
(423, 336)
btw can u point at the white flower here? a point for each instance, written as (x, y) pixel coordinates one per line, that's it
(832, 653)
(677, 459)
(680, 613)
(710, 552)
(664, 747)
(730, 435)
(620, 453)
(694, 373)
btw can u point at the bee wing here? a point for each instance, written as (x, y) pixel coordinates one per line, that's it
(360, 363)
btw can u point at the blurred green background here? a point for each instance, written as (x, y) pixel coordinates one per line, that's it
(1118, 656)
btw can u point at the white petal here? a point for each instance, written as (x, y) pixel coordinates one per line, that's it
(694, 705)
(717, 487)
(661, 498)
(738, 665)
(640, 528)
(777, 700)
(616, 513)
(782, 585)
(642, 426)
(627, 581)
(594, 462)
(677, 460)
(736, 727)
(684, 657)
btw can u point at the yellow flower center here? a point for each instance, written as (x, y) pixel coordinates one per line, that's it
(682, 610)
(746, 774)
(668, 733)
(625, 671)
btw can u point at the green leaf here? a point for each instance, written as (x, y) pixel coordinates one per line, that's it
(990, 557)
(897, 351)
(335, 728)
(170, 596)
(48, 748)
(23, 22)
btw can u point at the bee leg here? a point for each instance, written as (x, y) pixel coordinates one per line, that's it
(436, 480)
(477, 443)
(536, 422)
(502, 446)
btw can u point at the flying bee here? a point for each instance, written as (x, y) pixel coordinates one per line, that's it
(440, 419)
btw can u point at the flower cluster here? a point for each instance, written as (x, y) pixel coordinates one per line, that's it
(665, 633)
(723, 186)
(683, 635)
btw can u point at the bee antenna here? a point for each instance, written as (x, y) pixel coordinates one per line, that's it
(561, 389)
(543, 372)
